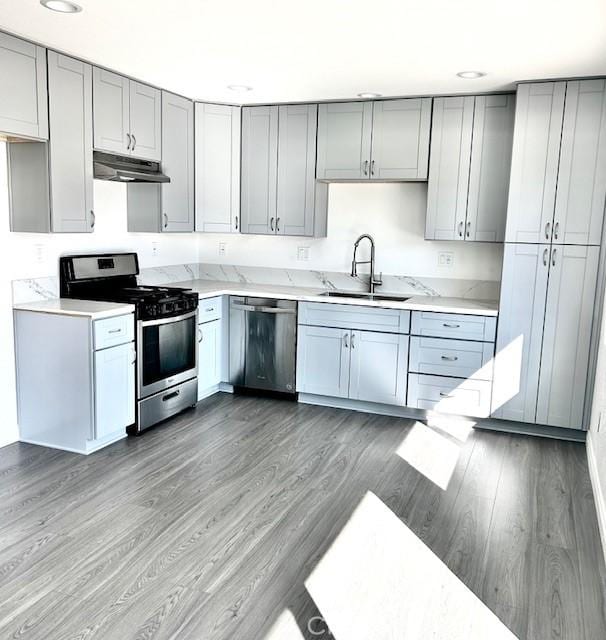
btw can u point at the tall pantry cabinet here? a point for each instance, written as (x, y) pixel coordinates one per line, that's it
(553, 235)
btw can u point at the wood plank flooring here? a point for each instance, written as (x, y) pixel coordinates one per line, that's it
(208, 527)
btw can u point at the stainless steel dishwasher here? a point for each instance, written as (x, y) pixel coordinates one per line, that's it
(262, 344)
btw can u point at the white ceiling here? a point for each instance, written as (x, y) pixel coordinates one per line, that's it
(321, 49)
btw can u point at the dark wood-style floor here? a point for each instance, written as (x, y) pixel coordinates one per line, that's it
(208, 527)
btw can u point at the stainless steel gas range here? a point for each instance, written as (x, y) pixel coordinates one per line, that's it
(167, 321)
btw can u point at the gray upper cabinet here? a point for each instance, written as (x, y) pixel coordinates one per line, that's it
(23, 100)
(490, 165)
(177, 163)
(566, 337)
(534, 166)
(218, 129)
(469, 168)
(400, 139)
(449, 168)
(145, 121)
(297, 186)
(127, 116)
(581, 190)
(383, 140)
(70, 102)
(344, 141)
(259, 169)
(51, 184)
(111, 99)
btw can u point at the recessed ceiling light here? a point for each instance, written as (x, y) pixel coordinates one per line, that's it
(62, 6)
(369, 94)
(239, 88)
(470, 75)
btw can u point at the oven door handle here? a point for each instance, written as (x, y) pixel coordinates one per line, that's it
(185, 316)
(261, 309)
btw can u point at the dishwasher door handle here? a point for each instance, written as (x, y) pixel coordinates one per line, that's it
(261, 309)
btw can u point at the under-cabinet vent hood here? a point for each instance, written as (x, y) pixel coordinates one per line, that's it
(124, 169)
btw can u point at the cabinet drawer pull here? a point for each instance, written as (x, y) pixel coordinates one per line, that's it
(450, 358)
(445, 395)
(115, 331)
(451, 326)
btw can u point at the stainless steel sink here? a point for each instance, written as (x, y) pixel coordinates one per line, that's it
(364, 296)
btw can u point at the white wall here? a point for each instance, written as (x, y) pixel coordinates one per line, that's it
(596, 438)
(394, 214)
(19, 259)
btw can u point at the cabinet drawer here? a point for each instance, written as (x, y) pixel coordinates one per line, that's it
(453, 325)
(449, 395)
(209, 309)
(457, 358)
(113, 331)
(349, 316)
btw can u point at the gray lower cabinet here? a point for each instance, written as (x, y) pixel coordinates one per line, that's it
(51, 184)
(127, 116)
(558, 173)
(209, 357)
(382, 140)
(469, 165)
(279, 191)
(177, 163)
(92, 363)
(217, 165)
(23, 105)
(543, 339)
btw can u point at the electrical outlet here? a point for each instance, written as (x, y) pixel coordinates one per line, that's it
(445, 259)
(222, 248)
(303, 254)
(155, 248)
(39, 253)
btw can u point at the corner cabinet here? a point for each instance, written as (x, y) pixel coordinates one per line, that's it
(92, 362)
(279, 193)
(382, 140)
(23, 101)
(558, 173)
(543, 338)
(127, 116)
(177, 163)
(218, 133)
(469, 165)
(51, 184)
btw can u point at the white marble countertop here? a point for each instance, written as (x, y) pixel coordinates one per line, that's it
(210, 288)
(69, 307)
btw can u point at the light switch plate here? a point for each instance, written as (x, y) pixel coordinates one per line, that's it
(445, 259)
(222, 248)
(155, 248)
(303, 254)
(39, 253)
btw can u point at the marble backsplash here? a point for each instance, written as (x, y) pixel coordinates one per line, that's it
(31, 289)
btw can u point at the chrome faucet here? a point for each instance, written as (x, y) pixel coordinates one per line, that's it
(354, 263)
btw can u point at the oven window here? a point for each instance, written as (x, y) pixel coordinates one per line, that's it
(168, 349)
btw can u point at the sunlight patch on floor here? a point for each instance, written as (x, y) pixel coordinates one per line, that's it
(379, 581)
(456, 426)
(285, 628)
(432, 454)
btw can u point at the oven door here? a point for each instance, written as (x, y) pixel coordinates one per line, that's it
(167, 352)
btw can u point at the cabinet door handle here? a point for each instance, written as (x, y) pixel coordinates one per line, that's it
(134, 357)
(200, 335)
(353, 344)
(92, 219)
(271, 224)
(450, 358)
(450, 326)
(468, 229)
(277, 224)
(365, 169)
(372, 168)
(128, 142)
(553, 257)
(165, 216)
(345, 341)
(556, 230)
(236, 223)
(134, 142)
(547, 230)
(445, 395)
(460, 229)
(545, 252)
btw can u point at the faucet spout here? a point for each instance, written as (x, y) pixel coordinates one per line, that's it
(354, 263)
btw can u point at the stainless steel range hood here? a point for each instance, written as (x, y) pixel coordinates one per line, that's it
(124, 169)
